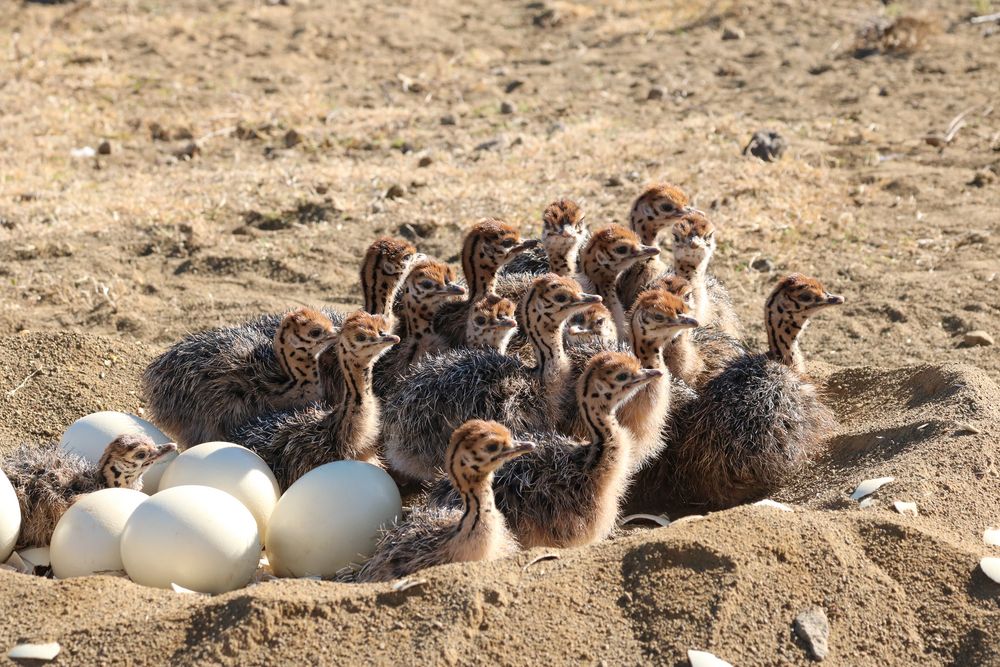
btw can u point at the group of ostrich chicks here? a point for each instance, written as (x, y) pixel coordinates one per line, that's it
(562, 376)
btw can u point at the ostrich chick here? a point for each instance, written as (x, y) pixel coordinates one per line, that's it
(693, 247)
(428, 288)
(593, 326)
(473, 532)
(448, 389)
(610, 252)
(491, 324)
(656, 209)
(213, 381)
(48, 479)
(293, 442)
(564, 493)
(563, 234)
(655, 321)
(489, 245)
(757, 420)
(243, 381)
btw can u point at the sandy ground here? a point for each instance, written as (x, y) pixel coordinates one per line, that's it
(256, 149)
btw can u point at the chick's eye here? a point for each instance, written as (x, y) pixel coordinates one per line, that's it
(315, 333)
(659, 317)
(480, 320)
(666, 207)
(140, 456)
(427, 284)
(507, 243)
(599, 321)
(492, 447)
(361, 338)
(561, 298)
(622, 249)
(621, 377)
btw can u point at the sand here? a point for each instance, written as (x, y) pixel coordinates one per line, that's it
(104, 262)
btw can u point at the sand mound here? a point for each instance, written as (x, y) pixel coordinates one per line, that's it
(896, 589)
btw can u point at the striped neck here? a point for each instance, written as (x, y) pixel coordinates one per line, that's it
(783, 328)
(480, 271)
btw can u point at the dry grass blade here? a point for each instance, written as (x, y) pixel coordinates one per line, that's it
(23, 382)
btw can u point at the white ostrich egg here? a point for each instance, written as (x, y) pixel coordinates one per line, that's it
(330, 518)
(230, 468)
(197, 537)
(87, 539)
(10, 518)
(89, 436)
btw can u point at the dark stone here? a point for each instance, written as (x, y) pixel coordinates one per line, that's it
(767, 145)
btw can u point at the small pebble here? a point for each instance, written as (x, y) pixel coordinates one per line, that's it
(104, 148)
(512, 86)
(448, 120)
(983, 178)
(656, 93)
(292, 139)
(904, 507)
(425, 161)
(614, 182)
(731, 33)
(506, 108)
(813, 628)
(763, 265)
(186, 151)
(977, 338)
(395, 191)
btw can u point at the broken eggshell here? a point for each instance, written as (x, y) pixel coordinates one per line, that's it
(870, 486)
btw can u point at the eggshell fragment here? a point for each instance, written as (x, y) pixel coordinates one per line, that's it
(870, 486)
(705, 659)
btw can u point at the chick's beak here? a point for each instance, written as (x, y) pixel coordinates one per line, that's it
(834, 299)
(647, 251)
(517, 448)
(453, 289)
(578, 330)
(506, 323)
(522, 246)
(589, 299)
(645, 376)
(165, 450)
(687, 322)
(391, 339)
